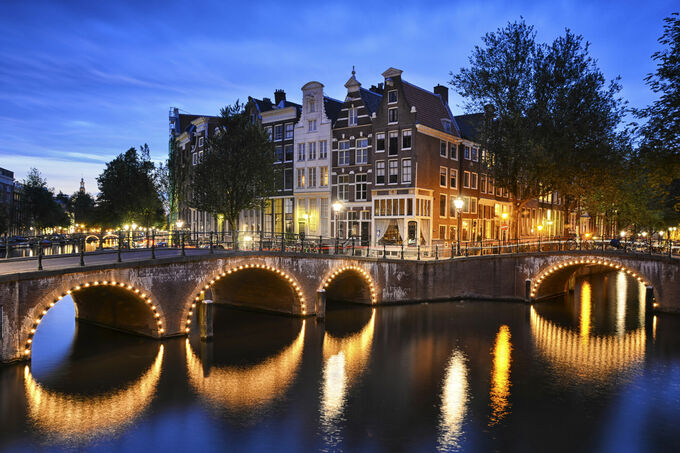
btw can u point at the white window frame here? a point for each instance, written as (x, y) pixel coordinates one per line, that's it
(279, 127)
(453, 146)
(389, 173)
(344, 153)
(443, 171)
(311, 154)
(323, 149)
(352, 116)
(285, 131)
(406, 133)
(358, 184)
(446, 205)
(384, 140)
(453, 171)
(380, 167)
(396, 115)
(404, 172)
(301, 152)
(396, 97)
(445, 147)
(474, 179)
(466, 174)
(361, 151)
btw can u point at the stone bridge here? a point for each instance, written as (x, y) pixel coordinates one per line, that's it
(158, 298)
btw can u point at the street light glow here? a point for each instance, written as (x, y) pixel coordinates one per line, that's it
(337, 206)
(458, 203)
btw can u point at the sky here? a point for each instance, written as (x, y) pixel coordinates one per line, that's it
(83, 81)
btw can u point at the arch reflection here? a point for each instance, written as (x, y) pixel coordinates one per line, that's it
(586, 357)
(345, 359)
(248, 387)
(79, 417)
(454, 403)
(500, 376)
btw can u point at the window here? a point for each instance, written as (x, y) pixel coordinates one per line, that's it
(323, 149)
(394, 171)
(452, 207)
(200, 141)
(442, 232)
(442, 176)
(288, 179)
(301, 151)
(278, 153)
(475, 154)
(361, 187)
(392, 96)
(482, 183)
(473, 180)
(362, 151)
(453, 176)
(380, 142)
(312, 151)
(289, 131)
(352, 116)
(278, 132)
(268, 131)
(394, 143)
(447, 125)
(301, 177)
(289, 153)
(406, 171)
(311, 105)
(194, 158)
(442, 205)
(380, 172)
(311, 125)
(473, 206)
(343, 187)
(343, 152)
(392, 116)
(324, 176)
(466, 179)
(453, 152)
(443, 149)
(467, 153)
(311, 180)
(490, 188)
(406, 139)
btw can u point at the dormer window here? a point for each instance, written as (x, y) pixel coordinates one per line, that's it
(447, 125)
(392, 96)
(353, 116)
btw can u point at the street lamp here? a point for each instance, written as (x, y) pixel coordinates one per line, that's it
(179, 224)
(540, 228)
(458, 203)
(504, 216)
(337, 207)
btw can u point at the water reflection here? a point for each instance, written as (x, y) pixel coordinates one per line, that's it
(586, 311)
(500, 377)
(345, 359)
(246, 388)
(454, 400)
(82, 417)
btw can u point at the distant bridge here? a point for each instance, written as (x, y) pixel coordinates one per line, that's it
(159, 297)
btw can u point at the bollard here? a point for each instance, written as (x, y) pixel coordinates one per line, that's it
(205, 317)
(321, 304)
(418, 258)
(211, 243)
(6, 247)
(352, 245)
(82, 251)
(402, 250)
(40, 255)
(451, 249)
(384, 250)
(153, 245)
(436, 252)
(183, 251)
(119, 245)
(260, 241)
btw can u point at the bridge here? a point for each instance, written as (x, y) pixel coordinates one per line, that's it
(159, 297)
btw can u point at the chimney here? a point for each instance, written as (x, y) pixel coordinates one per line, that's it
(377, 88)
(442, 91)
(279, 95)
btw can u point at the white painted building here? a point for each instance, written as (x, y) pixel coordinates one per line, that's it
(312, 161)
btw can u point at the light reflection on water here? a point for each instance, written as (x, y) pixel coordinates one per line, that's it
(466, 376)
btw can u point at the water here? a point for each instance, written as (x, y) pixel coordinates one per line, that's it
(588, 372)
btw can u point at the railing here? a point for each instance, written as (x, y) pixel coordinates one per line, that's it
(183, 242)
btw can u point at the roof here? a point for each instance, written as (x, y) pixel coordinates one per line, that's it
(430, 108)
(470, 125)
(262, 105)
(332, 108)
(371, 100)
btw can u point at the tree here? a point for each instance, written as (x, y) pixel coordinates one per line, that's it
(237, 172)
(127, 191)
(43, 211)
(551, 119)
(161, 177)
(659, 150)
(83, 208)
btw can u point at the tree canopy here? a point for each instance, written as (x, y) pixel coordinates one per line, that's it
(128, 191)
(237, 171)
(42, 209)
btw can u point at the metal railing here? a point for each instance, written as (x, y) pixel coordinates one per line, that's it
(182, 242)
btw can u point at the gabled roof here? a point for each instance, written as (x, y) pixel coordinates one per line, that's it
(371, 100)
(470, 125)
(430, 108)
(262, 105)
(332, 108)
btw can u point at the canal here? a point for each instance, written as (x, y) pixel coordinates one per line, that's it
(586, 372)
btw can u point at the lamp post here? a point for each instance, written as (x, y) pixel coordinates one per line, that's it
(337, 207)
(504, 227)
(179, 224)
(458, 203)
(540, 228)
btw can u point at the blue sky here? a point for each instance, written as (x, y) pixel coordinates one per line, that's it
(82, 81)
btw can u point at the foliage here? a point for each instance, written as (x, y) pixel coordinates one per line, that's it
(550, 117)
(4, 218)
(42, 209)
(128, 191)
(82, 208)
(237, 171)
(161, 178)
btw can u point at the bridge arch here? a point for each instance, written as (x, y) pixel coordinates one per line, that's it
(36, 315)
(552, 279)
(340, 283)
(282, 277)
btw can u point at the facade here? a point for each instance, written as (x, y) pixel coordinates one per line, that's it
(352, 169)
(278, 119)
(312, 161)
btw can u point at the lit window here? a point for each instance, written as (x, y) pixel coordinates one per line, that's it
(301, 177)
(324, 176)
